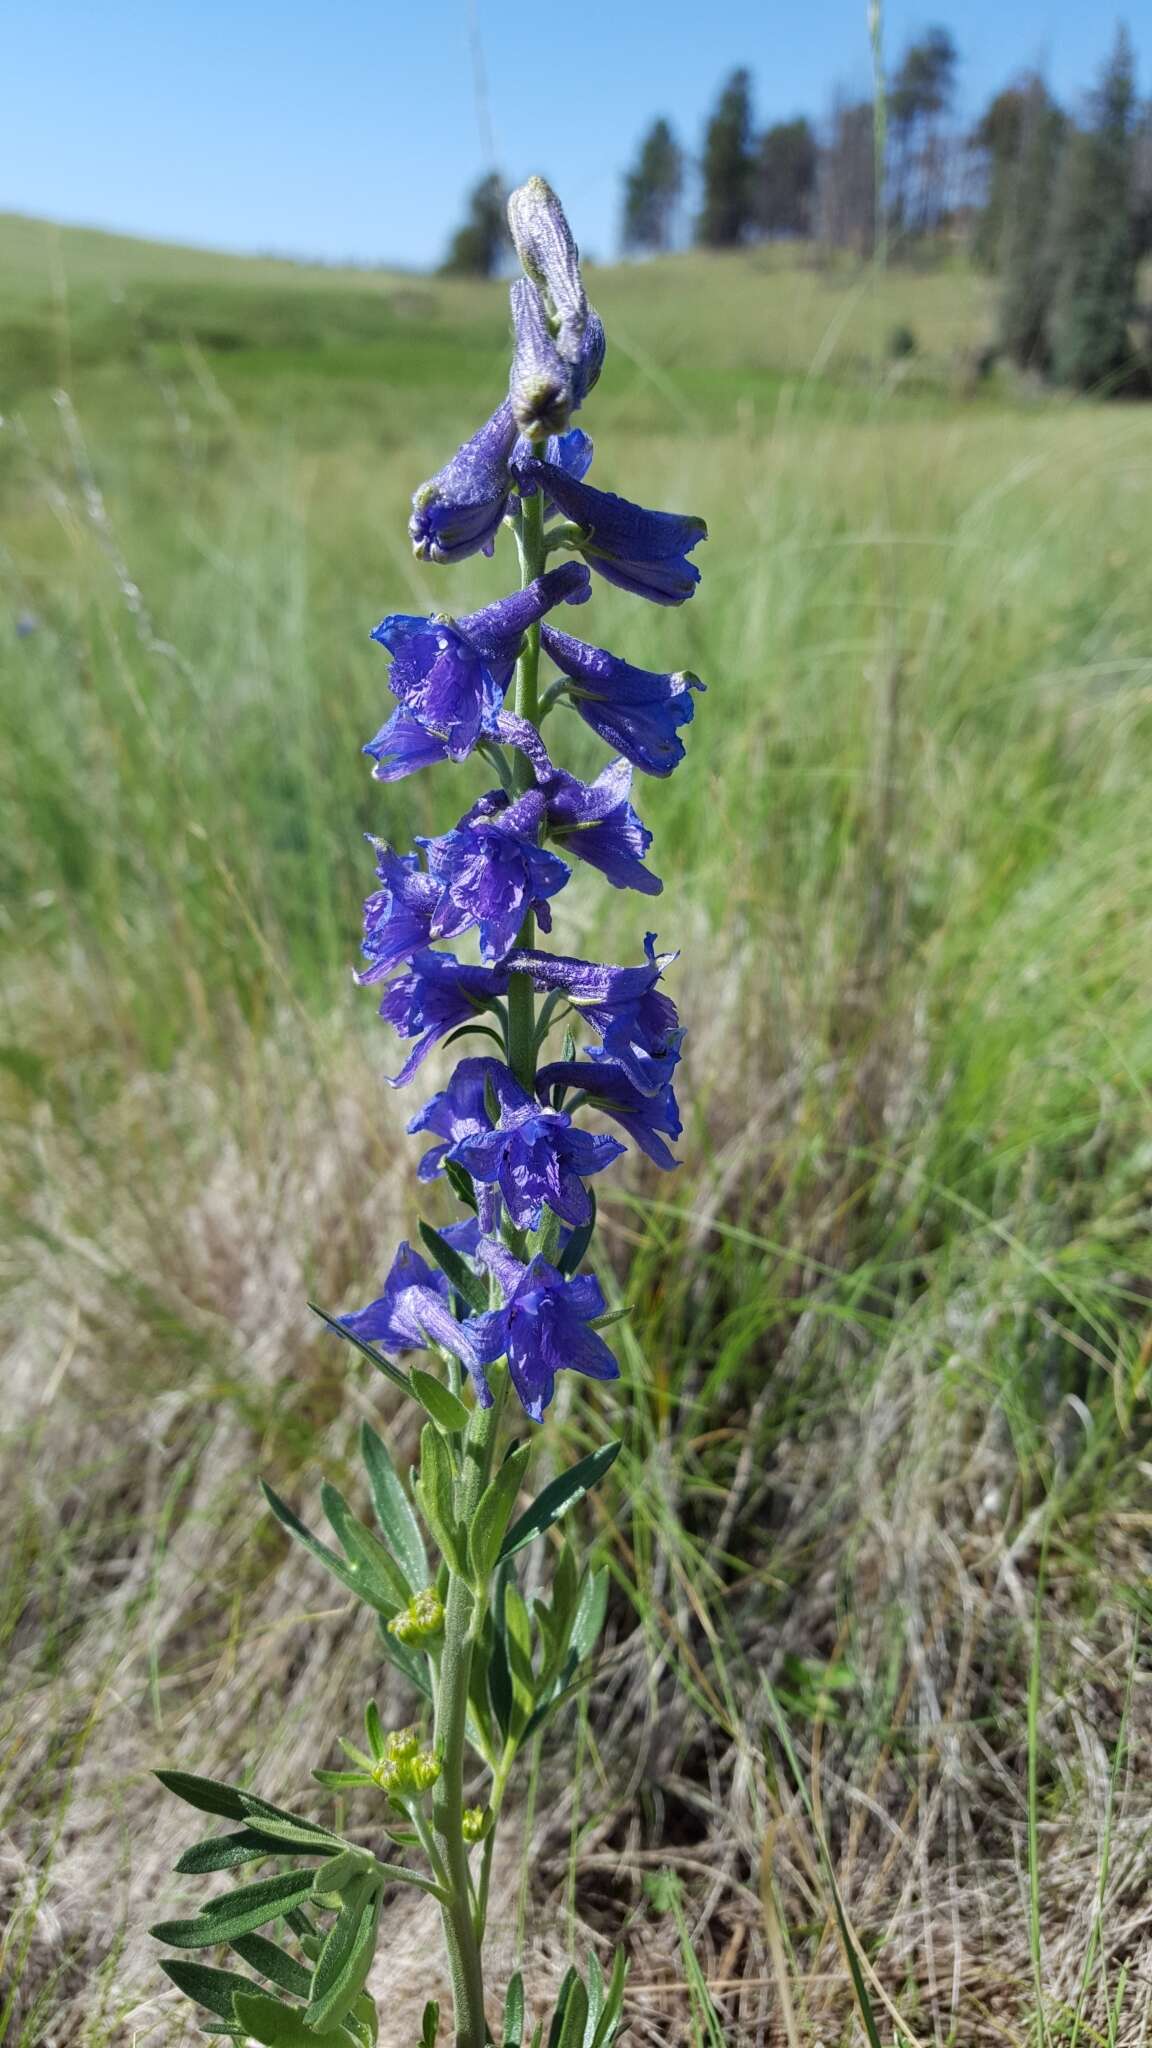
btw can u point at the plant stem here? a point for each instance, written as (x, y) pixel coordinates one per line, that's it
(464, 1959)
(521, 1000)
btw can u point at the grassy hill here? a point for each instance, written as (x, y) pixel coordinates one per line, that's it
(884, 1397)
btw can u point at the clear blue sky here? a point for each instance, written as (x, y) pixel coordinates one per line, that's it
(351, 129)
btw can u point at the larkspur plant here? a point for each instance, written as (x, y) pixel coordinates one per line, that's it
(499, 1300)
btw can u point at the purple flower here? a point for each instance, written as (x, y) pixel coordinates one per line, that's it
(595, 822)
(637, 1024)
(402, 746)
(451, 674)
(648, 1119)
(458, 511)
(540, 387)
(436, 996)
(459, 1111)
(491, 871)
(398, 915)
(636, 710)
(541, 1329)
(534, 1156)
(412, 1312)
(644, 552)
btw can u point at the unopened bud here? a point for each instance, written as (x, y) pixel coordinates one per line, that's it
(476, 1823)
(405, 1770)
(421, 1621)
(547, 249)
(540, 386)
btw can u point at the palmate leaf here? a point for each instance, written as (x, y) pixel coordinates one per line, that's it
(398, 1524)
(238, 1912)
(558, 1496)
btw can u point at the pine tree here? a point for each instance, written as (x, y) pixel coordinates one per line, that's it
(995, 145)
(846, 182)
(726, 212)
(652, 191)
(921, 93)
(784, 179)
(1026, 263)
(481, 242)
(1094, 297)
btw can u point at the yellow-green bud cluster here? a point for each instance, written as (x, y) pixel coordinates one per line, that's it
(476, 1821)
(405, 1771)
(421, 1621)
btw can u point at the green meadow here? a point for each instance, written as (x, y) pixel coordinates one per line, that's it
(865, 1759)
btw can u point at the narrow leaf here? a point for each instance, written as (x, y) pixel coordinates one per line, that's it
(274, 1962)
(328, 1558)
(430, 2025)
(492, 1511)
(469, 1285)
(575, 2018)
(576, 1248)
(446, 1409)
(394, 1513)
(281, 2026)
(590, 1611)
(236, 1912)
(346, 1958)
(435, 1488)
(562, 1493)
(560, 2014)
(205, 1794)
(514, 2013)
(367, 1556)
(382, 1364)
(224, 1852)
(460, 1181)
(213, 1989)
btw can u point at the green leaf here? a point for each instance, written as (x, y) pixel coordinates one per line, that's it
(281, 2026)
(492, 1511)
(498, 1675)
(514, 2013)
(469, 1285)
(562, 1493)
(366, 1554)
(346, 1956)
(563, 2000)
(205, 1794)
(435, 1490)
(460, 1181)
(224, 1852)
(576, 1248)
(328, 1558)
(238, 1912)
(595, 1999)
(294, 1836)
(340, 1871)
(610, 1315)
(394, 1513)
(446, 1409)
(213, 1989)
(382, 1364)
(575, 2018)
(608, 2025)
(590, 1611)
(518, 1637)
(274, 1962)
(430, 2025)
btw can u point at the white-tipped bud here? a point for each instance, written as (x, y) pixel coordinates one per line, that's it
(547, 249)
(540, 386)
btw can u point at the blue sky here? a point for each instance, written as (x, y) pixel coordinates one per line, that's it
(350, 129)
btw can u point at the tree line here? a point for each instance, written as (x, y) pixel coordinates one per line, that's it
(1056, 202)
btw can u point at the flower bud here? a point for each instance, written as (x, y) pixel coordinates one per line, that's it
(421, 1621)
(547, 250)
(540, 386)
(405, 1771)
(477, 1822)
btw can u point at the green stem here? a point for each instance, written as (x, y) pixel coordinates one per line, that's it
(521, 1001)
(464, 1958)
